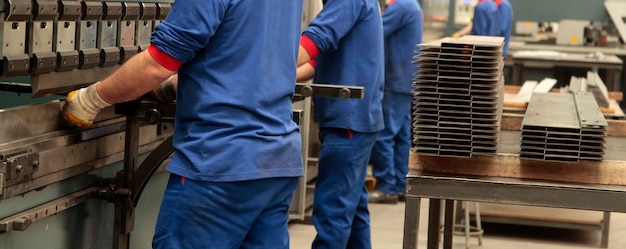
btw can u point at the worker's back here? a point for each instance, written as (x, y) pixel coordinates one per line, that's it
(350, 37)
(234, 117)
(402, 26)
(486, 19)
(506, 21)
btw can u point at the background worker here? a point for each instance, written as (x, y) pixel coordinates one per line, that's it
(346, 38)
(402, 26)
(238, 152)
(506, 21)
(486, 21)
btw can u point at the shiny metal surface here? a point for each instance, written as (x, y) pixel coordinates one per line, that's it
(63, 82)
(127, 33)
(21, 221)
(573, 128)
(143, 32)
(65, 36)
(107, 33)
(87, 34)
(561, 114)
(63, 151)
(13, 38)
(41, 36)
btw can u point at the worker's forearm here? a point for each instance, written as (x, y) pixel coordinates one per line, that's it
(136, 77)
(303, 56)
(305, 73)
(466, 30)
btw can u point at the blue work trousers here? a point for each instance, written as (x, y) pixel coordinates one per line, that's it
(224, 215)
(390, 156)
(340, 213)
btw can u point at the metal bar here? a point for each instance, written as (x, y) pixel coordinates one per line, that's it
(21, 221)
(411, 222)
(57, 176)
(328, 90)
(63, 82)
(434, 221)
(149, 166)
(507, 191)
(124, 213)
(606, 224)
(448, 226)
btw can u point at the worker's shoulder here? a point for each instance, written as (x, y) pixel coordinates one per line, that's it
(505, 4)
(485, 6)
(405, 4)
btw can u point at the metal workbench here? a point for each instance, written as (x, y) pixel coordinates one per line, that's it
(611, 63)
(588, 185)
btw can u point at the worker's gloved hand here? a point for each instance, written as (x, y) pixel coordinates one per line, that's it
(165, 92)
(82, 106)
(456, 35)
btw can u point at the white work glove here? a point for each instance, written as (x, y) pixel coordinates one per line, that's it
(165, 92)
(81, 106)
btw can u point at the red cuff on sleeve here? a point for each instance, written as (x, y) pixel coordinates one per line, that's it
(164, 59)
(313, 63)
(311, 49)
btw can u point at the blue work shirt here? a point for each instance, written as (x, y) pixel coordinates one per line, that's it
(506, 21)
(402, 26)
(349, 35)
(234, 115)
(486, 19)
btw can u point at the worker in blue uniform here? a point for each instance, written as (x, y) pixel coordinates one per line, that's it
(506, 21)
(486, 21)
(238, 152)
(402, 26)
(346, 39)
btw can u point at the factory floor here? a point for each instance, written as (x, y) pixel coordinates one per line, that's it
(388, 221)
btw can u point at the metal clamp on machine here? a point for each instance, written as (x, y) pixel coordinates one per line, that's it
(65, 35)
(145, 24)
(15, 61)
(88, 54)
(130, 13)
(43, 59)
(108, 34)
(162, 10)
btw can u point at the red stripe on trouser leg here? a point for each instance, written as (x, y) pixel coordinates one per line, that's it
(350, 134)
(182, 180)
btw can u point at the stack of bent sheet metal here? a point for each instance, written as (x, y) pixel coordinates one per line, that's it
(564, 128)
(457, 101)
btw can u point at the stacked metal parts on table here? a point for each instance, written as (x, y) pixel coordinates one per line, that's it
(457, 101)
(564, 128)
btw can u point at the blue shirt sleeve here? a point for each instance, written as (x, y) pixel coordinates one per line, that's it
(393, 18)
(479, 22)
(189, 27)
(334, 21)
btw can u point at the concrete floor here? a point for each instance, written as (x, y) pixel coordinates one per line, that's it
(387, 229)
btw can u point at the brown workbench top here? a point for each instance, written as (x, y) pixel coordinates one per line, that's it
(508, 164)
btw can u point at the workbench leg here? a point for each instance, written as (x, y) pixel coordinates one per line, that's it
(411, 222)
(517, 74)
(448, 225)
(611, 82)
(606, 222)
(434, 222)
